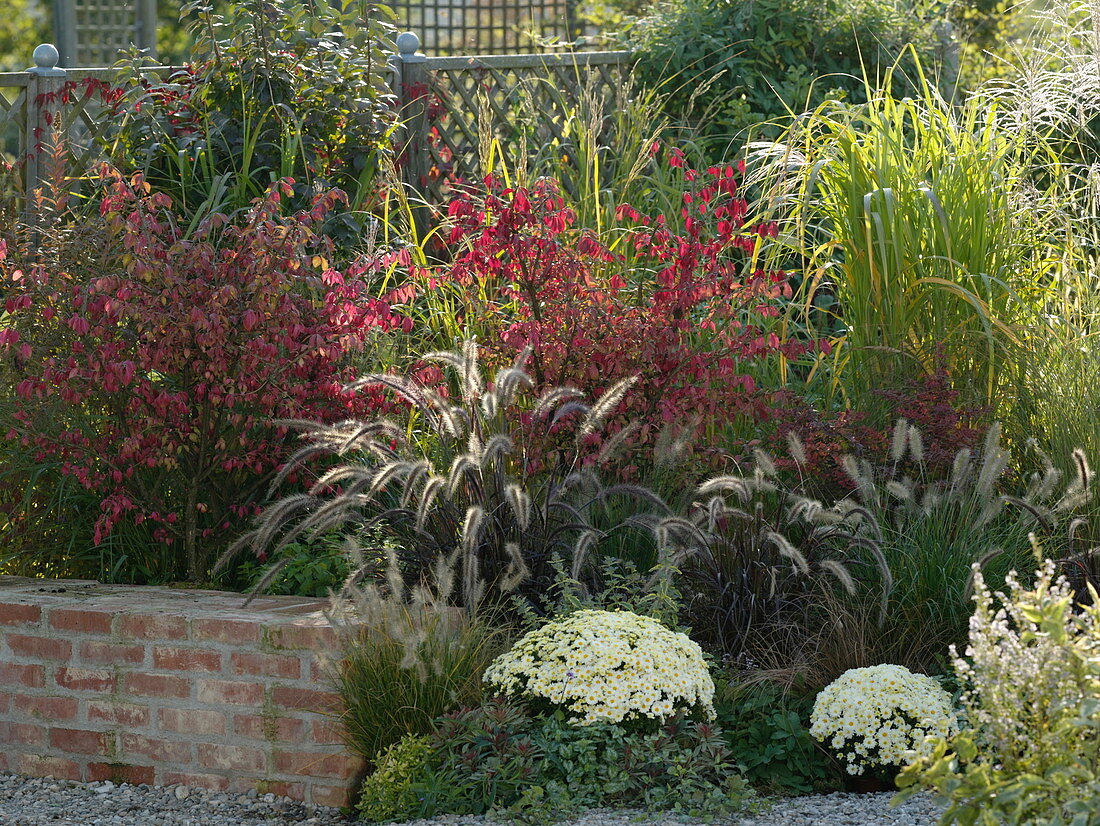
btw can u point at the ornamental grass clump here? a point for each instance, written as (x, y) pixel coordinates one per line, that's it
(604, 666)
(451, 488)
(874, 718)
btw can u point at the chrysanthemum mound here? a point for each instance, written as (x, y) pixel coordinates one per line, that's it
(871, 717)
(604, 666)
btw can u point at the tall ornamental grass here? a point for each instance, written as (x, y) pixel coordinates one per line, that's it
(908, 212)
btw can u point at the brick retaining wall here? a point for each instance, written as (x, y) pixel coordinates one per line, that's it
(156, 685)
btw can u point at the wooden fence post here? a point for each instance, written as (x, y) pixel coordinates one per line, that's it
(413, 95)
(43, 123)
(64, 30)
(145, 27)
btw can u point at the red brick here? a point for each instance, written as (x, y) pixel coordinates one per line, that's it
(256, 727)
(157, 685)
(266, 665)
(121, 773)
(305, 698)
(159, 751)
(38, 765)
(22, 734)
(232, 632)
(222, 692)
(14, 613)
(312, 764)
(197, 780)
(326, 733)
(45, 708)
(45, 648)
(191, 721)
(81, 620)
(153, 627)
(5, 702)
(335, 796)
(5, 764)
(231, 758)
(83, 679)
(26, 676)
(312, 637)
(78, 741)
(104, 652)
(120, 714)
(186, 659)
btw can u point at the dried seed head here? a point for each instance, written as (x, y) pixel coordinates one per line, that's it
(796, 448)
(916, 445)
(899, 441)
(764, 463)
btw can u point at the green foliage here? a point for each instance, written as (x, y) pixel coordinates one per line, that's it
(483, 759)
(388, 792)
(497, 758)
(991, 35)
(274, 89)
(683, 767)
(404, 666)
(26, 23)
(1031, 680)
(728, 65)
(618, 586)
(912, 214)
(767, 731)
(309, 569)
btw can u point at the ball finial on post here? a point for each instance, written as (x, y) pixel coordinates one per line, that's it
(46, 57)
(408, 48)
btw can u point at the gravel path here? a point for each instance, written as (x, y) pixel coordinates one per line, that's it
(32, 801)
(26, 801)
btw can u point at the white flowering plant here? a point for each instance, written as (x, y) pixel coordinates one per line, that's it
(607, 666)
(1030, 682)
(876, 718)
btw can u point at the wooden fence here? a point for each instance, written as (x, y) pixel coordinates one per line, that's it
(452, 109)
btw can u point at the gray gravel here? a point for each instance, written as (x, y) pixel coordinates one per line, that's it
(26, 801)
(835, 809)
(33, 801)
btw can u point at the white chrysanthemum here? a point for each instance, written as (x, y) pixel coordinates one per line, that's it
(607, 666)
(879, 716)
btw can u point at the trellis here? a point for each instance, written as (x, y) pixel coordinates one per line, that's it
(93, 32)
(45, 103)
(449, 27)
(453, 107)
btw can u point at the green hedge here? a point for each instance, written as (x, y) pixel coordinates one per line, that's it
(762, 56)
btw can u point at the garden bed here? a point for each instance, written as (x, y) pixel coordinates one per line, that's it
(166, 686)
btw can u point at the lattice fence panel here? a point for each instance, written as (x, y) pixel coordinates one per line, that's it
(509, 106)
(448, 27)
(91, 33)
(84, 119)
(13, 118)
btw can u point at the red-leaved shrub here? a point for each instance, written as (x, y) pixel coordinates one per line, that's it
(929, 402)
(684, 309)
(152, 374)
